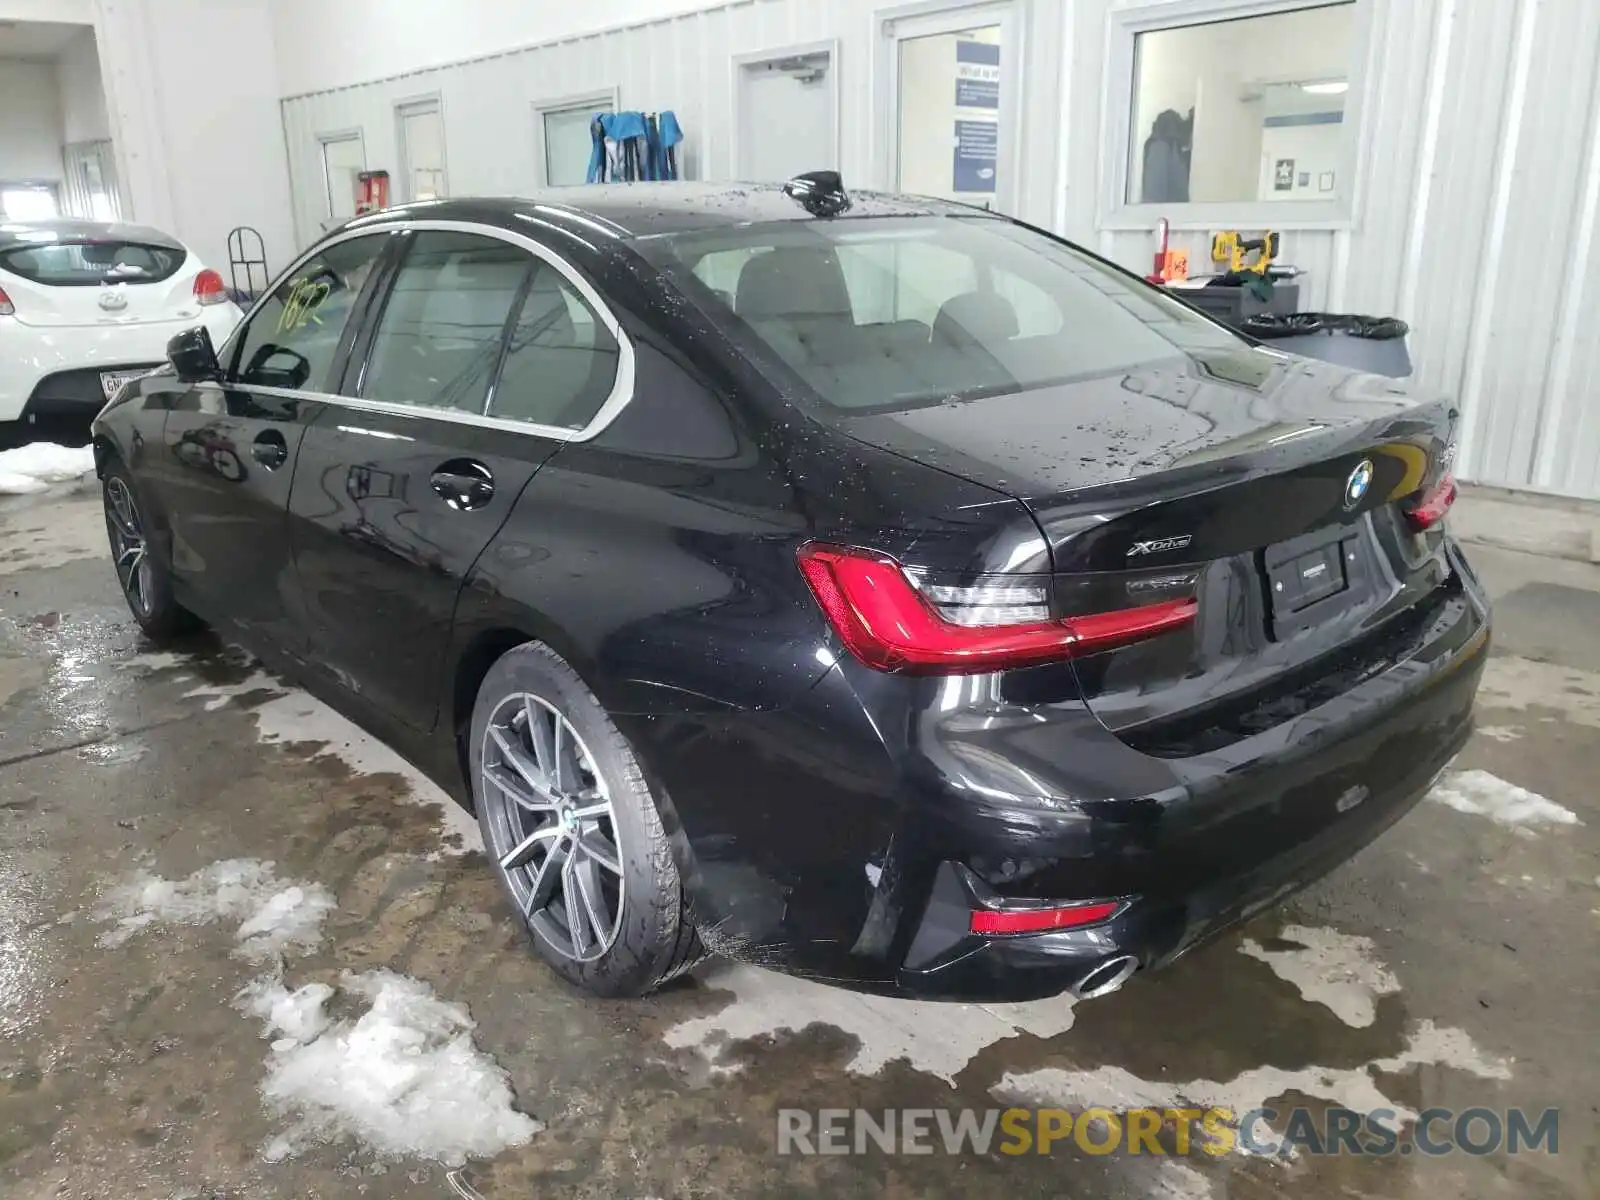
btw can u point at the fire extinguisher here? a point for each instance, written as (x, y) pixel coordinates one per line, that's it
(372, 191)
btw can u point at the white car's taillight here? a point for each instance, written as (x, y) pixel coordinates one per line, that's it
(209, 288)
(7, 309)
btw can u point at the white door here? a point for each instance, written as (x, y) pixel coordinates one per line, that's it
(788, 111)
(952, 115)
(422, 150)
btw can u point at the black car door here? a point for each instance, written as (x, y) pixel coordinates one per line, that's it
(483, 356)
(230, 450)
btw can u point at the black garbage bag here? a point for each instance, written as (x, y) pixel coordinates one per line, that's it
(1375, 344)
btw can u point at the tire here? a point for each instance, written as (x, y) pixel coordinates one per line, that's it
(145, 580)
(565, 864)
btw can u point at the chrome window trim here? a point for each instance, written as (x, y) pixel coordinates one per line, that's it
(622, 387)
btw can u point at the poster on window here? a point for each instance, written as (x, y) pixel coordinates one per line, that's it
(1283, 175)
(977, 75)
(977, 151)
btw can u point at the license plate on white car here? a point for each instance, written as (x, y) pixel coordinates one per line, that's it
(111, 381)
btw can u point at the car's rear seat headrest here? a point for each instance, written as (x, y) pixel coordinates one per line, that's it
(792, 281)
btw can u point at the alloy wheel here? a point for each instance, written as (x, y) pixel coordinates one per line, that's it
(552, 827)
(128, 544)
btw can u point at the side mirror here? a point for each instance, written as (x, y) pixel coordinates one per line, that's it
(193, 356)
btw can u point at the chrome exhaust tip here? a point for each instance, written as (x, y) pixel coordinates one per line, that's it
(1105, 978)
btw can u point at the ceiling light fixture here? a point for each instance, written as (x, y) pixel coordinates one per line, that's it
(1335, 87)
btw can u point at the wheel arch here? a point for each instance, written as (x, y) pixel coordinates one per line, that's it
(477, 655)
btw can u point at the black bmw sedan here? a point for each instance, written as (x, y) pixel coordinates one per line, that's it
(871, 588)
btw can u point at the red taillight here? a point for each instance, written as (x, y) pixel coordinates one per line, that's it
(889, 625)
(1435, 502)
(7, 309)
(1041, 920)
(209, 288)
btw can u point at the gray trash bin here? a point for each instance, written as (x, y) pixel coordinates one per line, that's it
(1375, 344)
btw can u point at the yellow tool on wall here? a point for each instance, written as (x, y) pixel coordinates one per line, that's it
(1230, 248)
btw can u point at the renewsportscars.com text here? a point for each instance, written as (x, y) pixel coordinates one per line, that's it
(1214, 1131)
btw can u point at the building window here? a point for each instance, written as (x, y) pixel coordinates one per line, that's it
(29, 202)
(344, 157)
(422, 150)
(1250, 109)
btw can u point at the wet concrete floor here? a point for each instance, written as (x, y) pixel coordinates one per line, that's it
(1453, 963)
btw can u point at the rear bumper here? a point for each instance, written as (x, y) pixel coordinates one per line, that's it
(827, 859)
(55, 370)
(948, 963)
(1238, 835)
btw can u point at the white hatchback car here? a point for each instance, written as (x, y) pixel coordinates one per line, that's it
(85, 306)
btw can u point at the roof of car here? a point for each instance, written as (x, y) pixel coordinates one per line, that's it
(33, 233)
(637, 210)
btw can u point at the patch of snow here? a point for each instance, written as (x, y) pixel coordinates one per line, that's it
(1337, 970)
(274, 915)
(939, 1039)
(404, 1078)
(291, 1018)
(1501, 733)
(1481, 794)
(289, 919)
(154, 660)
(1352, 1087)
(34, 468)
(293, 716)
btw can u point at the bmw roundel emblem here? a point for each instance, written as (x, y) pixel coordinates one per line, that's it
(1360, 480)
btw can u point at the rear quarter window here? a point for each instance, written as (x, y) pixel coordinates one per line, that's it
(91, 263)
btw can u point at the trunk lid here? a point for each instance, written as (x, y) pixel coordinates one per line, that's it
(99, 276)
(1270, 488)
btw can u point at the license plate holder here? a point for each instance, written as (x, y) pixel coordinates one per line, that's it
(1308, 579)
(111, 382)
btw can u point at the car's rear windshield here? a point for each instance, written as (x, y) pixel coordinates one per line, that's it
(88, 262)
(892, 312)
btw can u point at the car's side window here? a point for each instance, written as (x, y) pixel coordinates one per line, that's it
(442, 327)
(293, 337)
(562, 361)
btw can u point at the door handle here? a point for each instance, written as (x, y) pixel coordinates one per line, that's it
(463, 483)
(270, 450)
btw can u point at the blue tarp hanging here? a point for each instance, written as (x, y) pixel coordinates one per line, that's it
(627, 147)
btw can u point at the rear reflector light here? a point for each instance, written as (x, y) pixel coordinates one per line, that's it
(1435, 502)
(7, 309)
(1041, 920)
(209, 288)
(891, 623)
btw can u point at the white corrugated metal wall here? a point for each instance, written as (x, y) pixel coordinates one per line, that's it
(1475, 220)
(684, 63)
(1476, 210)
